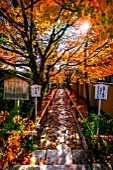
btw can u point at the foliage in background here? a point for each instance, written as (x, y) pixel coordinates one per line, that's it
(41, 35)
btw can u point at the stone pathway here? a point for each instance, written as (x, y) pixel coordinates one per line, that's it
(60, 126)
(60, 144)
(59, 167)
(62, 156)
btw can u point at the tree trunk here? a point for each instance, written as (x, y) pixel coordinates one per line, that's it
(86, 76)
(77, 85)
(87, 97)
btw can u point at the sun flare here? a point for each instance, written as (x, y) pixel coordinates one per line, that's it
(85, 26)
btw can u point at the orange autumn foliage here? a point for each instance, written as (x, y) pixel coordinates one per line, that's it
(39, 34)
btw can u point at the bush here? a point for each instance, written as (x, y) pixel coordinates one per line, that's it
(15, 145)
(102, 126)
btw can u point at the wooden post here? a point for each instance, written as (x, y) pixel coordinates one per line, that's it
(111, 160)
(17, 104)
(36, 110)
(99, 107)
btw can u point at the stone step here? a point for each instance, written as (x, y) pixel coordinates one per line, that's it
(63, 156)
(61, 159)
(59, 167)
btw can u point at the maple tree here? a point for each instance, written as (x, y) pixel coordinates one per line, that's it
(30, 34)
(98, 50)
(41, 35)
(94, 59)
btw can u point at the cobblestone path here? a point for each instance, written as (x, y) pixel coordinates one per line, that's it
(60, 127)
(60, 144)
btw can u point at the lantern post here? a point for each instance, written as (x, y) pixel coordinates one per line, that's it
(36, 92)
(101, 91)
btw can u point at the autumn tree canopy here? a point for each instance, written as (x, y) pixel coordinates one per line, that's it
(96, 48)
(31, 33)
(40, 34)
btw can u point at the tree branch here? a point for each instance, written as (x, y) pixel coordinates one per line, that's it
(39, 49)
(16, 43)
(99, 48)
(12, 22)
(33, 3)
(61, 32)
(11, 50)
(50, 41)
(12, 64)
(31, 29)
(25, 17)
(65, 6)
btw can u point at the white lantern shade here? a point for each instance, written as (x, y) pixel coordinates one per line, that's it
(101, 91)
(36, 90)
